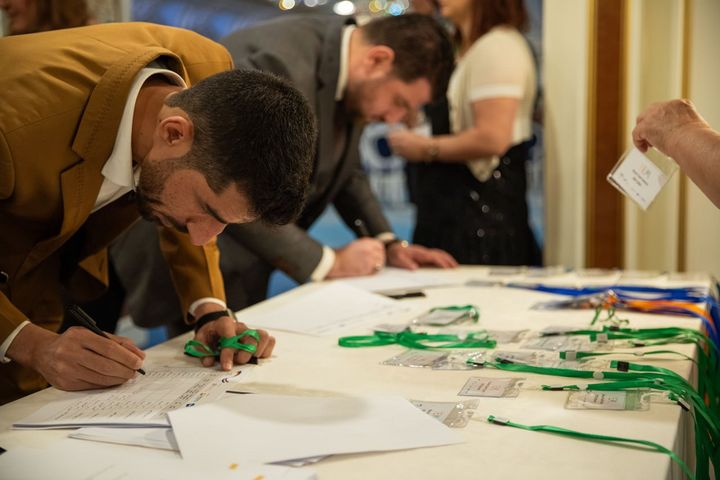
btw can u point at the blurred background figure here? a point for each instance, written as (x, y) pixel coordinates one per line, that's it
(470, 184)
(425, 7)
(29, 16)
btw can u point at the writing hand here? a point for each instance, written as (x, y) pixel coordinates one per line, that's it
(78, 359)
(363, 256)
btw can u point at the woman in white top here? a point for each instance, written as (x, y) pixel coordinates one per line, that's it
(470, 184)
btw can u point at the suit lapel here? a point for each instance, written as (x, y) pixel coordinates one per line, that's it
(328, 72)
(93, 143)
(79, 189)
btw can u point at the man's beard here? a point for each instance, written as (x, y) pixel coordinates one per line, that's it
(151, 183)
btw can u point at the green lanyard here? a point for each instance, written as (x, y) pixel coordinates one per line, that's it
(199, 349)
(707, 422)
(419, 341)
(592, 436)
(708, 373)
(572, 355)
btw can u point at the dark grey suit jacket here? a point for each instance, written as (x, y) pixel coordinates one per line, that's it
(305, 50)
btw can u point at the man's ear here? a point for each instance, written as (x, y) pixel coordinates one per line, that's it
(176, 133)
(378, 61)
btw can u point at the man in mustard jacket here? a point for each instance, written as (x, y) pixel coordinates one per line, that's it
(98, 124)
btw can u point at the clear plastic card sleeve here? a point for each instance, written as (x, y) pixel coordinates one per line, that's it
(542, 359)
(641, 176)
(491, 387)
(452, 414)
(608, 400)
(560, 343)
(441, 318)
(432, 359)
(506, 336)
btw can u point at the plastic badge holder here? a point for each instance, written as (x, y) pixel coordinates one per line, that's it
(452, 414)
(492, 387)
(608, 400)
(441, 318)
(432, 359)
(640, 177)
(536, 359)
(444, 316)
(456, 361)
(506, 336)
(560, 343)
(416, 359)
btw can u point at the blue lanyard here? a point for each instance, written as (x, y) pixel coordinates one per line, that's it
(645, 293)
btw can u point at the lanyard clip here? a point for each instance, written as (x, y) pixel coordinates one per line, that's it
(498, 420)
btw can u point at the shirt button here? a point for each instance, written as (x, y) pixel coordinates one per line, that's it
(485, 209)
(474, 195)
(497, 174)
(480, 232)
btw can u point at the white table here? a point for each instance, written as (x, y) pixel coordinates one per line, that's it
(305, 365)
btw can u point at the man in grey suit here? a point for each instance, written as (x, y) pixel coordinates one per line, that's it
(382, 71)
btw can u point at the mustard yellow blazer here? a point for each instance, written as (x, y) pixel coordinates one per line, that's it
(63, 94)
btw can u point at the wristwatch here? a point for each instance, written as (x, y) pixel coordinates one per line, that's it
(389, 243)
(210, 316)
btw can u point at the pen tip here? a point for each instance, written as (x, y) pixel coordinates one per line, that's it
(140, 371)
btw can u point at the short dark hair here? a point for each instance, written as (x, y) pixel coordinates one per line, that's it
(256, 131)
(488, 14)
(421, 45)
(58, 14)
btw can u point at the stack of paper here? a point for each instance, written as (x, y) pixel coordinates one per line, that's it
(330, 310)
(274, 428)
(75, 460)
(397, 279)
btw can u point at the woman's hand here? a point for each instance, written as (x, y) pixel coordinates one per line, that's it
(411, 146)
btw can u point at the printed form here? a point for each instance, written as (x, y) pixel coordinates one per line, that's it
(141, 402)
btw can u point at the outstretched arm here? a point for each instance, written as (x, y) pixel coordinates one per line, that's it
(677, 129)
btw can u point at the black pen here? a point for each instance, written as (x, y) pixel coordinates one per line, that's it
(86, 321)
(361, 228)
(401, 295)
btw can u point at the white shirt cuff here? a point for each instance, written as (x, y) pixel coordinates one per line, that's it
(326, 263)
(386, 236)
(8, 341)
(197, 303)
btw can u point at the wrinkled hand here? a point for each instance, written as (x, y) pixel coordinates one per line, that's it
(363, 256)
(662, 124)
(413, 256)
(226, 327)
(78, 359)
(409, 145)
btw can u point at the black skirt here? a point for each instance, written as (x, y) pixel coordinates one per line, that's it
(479, 223)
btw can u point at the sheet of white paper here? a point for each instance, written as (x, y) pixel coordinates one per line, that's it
(161, 438)
(290, 427)
(398, 279)
(75, 460)
(141, 402)
(329, 310)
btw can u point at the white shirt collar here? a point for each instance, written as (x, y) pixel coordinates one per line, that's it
(118, 168)
(344, 58)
